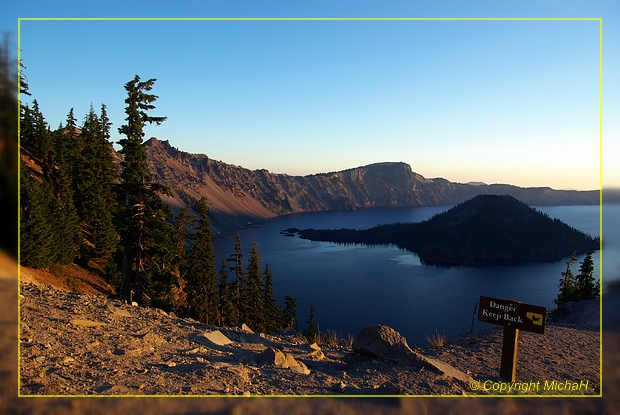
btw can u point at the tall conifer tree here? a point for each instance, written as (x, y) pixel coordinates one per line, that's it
(289, 314)
(202, 277)
(310, 331)
(229, 314)
(585, 285)
(35, 226)
(568, 289)
(143, 210)
(253, 301)
(238, 285)
(53, 197)
(271, 310)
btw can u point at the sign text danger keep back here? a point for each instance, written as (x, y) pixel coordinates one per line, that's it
(512, 314)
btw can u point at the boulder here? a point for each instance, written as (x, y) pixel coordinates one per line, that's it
(211, 338)
(383, 342)
(386, 343)
(277, 358)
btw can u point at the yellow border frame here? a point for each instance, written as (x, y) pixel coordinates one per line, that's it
(600, 20)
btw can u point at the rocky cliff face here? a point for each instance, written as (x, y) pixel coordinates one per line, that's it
(237, 195)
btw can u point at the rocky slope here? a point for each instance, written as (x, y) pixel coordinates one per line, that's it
(83, 344)
(12, 403)
(237, 195)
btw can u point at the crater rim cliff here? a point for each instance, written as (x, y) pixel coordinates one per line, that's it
(237, 195)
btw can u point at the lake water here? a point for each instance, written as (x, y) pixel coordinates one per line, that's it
(356, 286)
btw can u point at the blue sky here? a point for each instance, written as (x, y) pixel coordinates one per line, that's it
(494, 101)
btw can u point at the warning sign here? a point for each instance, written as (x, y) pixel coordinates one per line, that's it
(512, 314)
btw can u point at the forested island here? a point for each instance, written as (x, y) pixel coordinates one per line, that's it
(485, 230)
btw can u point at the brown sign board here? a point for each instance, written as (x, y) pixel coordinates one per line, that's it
(514, 314)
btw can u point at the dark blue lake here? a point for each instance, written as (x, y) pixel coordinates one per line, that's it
(355, 286)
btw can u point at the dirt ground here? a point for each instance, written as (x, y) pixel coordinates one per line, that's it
(11, 403)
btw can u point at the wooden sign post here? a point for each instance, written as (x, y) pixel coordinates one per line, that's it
(514, 316)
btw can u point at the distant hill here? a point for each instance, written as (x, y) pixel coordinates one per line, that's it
(237, 195)
(486, 230)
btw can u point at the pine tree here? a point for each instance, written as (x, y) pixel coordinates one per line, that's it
(73, 151)
(35, 227)
(229, 315)
(88, 154)
(253, 299)
(36, 137)
(35, 196)
(48, 151)
(160, 271)
(238, 285)
(568, 291)
(143, 211)
(184, 221)
(202, 285)
(289, 314)
(105, 235)
(585, 286)
(310, 332)
(271, 311)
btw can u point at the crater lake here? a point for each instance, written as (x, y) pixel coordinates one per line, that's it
(353, 286)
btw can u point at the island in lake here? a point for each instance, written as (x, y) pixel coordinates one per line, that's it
(485, 230)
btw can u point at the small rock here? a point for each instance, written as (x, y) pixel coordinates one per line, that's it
(119, 311)
(301, 368)
(245, 328)
(211, 338)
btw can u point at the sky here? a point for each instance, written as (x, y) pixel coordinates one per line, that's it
(495, 101)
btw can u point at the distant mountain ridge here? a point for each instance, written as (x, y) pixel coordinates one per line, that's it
(237, 195)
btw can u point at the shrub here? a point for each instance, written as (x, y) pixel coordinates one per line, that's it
(436, 340)
(348, 341)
